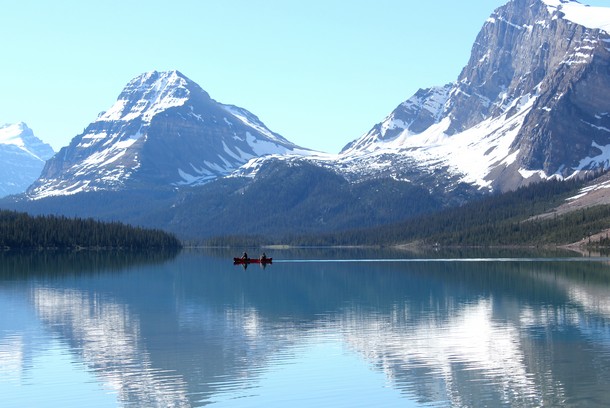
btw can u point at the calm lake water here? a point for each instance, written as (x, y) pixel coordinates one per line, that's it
(315, 329)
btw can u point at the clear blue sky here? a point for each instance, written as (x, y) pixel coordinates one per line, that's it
(319, 72)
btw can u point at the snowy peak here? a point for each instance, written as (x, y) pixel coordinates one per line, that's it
(149, 94)
(163, 130)
(411, 117)
(21, 136)
(22, 157)
(11, 133)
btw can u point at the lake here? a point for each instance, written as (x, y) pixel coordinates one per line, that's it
(317, 328)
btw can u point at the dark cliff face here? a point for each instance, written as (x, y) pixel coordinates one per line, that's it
(569, 122)
(508, 60)
(529, 49)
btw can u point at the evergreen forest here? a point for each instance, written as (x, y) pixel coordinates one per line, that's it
(509, 219)
(23, 231)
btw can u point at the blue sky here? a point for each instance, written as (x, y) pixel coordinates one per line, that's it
(319, 72)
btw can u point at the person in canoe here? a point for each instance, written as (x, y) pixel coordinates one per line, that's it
(245, 256)
(263, 258)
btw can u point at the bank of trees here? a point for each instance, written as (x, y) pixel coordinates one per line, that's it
(500, 220)
(507, 219)
(20, 230)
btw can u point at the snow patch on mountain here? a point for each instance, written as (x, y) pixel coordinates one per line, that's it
(603, 185)
(198, 176)
(427, 106)
(475, 152)
(147, 95)
(597, 18)
(472, 154)
(11, 134)
(600, 160)
(252, 121)
(107, 156)
(252, 167)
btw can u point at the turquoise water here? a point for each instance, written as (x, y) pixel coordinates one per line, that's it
(316, 328)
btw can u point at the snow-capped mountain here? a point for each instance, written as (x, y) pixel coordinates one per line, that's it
(533, 102)
(22, 157)
(163, 130)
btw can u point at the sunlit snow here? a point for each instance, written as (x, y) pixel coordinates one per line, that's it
(601, 159)
(587, 16)
(250, 121)
(13, 135)
(168, 91)
(105, 157)
(473, 153)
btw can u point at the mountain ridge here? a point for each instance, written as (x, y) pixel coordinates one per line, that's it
(163, 130)
(22, 157)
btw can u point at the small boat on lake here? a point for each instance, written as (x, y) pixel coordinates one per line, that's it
(242, 261)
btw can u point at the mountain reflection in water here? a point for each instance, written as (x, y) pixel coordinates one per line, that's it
(195, 330)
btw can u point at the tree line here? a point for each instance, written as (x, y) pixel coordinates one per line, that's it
(23, 231)
(499, 220)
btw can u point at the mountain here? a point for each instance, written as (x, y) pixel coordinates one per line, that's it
(532, 103)
(22, 157)
(164, 130)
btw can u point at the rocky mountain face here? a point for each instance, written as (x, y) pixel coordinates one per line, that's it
(164, 130)
(532, 103)
(22, 157)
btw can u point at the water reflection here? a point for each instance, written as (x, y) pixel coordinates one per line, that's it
(198, 330)
(17, 265)
(108, 339)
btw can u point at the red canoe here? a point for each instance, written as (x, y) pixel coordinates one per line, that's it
(241, 261)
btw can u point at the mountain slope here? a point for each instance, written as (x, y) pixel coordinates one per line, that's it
(22, 157)
(531, 103)
(164, 130)
(523, 217)
(295, 197)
